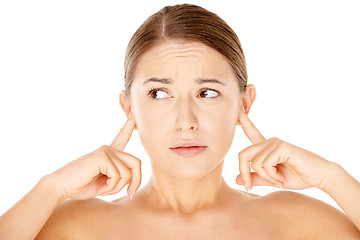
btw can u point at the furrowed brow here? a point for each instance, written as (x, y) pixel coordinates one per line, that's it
(161, 80)
(170, 81)
(202, 81)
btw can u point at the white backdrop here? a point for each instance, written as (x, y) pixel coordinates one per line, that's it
(61, 70)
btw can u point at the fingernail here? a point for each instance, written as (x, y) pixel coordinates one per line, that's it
(246, 187)
(132, 195)
(279, 186)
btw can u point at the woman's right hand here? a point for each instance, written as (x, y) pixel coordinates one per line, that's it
(104, 171)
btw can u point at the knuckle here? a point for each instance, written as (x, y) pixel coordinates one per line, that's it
(283, 144)
(110, 148)
(274, 139)
(116, 175)
(103, 147)
(126, 175)
(271, 173)
(255, 165)
(241, 155)
(267, 164)
(101, 154)
(138, 162)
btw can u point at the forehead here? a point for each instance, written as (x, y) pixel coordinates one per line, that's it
(182, 59)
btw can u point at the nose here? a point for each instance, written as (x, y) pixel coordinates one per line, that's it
(186, 119)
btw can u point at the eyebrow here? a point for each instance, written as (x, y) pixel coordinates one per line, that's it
(170, 81)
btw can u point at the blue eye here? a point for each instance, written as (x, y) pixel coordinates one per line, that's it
(161, 93)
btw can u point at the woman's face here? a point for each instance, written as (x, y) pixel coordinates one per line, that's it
(183, 107)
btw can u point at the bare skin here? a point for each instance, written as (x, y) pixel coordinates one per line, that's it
(187, 198)
(234, 214)
(279, 215)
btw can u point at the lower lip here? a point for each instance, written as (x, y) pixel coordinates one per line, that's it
(189, 151)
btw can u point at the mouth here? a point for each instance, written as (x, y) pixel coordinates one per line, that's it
(187, 144)
(189, 148)
(189, 151)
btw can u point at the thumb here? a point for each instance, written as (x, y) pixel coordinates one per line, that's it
(256, 180)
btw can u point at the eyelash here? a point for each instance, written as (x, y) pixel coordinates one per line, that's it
(201, 90)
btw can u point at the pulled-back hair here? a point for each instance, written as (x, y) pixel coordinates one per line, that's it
(185, 22)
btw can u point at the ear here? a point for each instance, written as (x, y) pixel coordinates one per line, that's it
(248, 99)
(125, 104)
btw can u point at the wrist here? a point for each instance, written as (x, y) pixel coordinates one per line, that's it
(333, 177)
(50, 185)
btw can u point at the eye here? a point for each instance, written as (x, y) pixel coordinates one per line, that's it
(157, 93)
(160, 93)
(209, 93)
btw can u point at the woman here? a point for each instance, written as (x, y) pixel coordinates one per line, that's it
(185, 92)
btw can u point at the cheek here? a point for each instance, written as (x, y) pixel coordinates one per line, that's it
(150, 128)
(217, 124)
(220, 123)
(146, 116)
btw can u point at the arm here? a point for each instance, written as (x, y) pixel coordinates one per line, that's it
(279, 163)
(303, 217)
(104, 171)
(345, 190)
(26, 218)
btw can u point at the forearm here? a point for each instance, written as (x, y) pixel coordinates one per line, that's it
(26, 218)
(345, 190)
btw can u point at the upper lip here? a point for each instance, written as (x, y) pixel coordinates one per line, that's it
(188, 144)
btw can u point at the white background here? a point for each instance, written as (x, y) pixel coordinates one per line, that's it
(61, 70)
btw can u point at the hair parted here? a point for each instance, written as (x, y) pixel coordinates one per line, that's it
(185, 22)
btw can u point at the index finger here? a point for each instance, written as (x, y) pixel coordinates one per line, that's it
(249, 128)
(124, 135)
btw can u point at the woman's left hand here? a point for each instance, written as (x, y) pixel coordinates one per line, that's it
(279, 163)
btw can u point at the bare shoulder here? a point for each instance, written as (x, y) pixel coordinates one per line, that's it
(71, 218)
(314, 218)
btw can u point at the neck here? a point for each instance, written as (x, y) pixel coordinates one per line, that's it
(185, 195)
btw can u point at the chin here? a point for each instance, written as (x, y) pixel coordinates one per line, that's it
(190, 173)
(188, 168)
